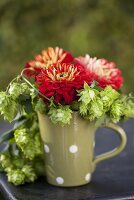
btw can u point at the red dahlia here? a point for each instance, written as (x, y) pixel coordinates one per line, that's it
(62, 81)
(106, 73)
(48, 57)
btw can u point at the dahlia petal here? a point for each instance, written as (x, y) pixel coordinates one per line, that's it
(62, 81)
(48, 57)
(105, 72)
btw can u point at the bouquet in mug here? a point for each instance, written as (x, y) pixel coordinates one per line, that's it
(56, 83)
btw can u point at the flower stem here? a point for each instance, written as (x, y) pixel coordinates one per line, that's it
(23, 77)
(16, 78)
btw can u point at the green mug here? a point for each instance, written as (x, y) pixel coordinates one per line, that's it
(69, 150)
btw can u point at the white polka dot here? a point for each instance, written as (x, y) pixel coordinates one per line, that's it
(46, 147)
(73, 149)
(60, 180)
(88, 177)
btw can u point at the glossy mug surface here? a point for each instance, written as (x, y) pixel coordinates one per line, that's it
(69, 150)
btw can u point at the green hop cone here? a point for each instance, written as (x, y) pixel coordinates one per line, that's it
(40, 106)
(5, 161)
(129, 109)
(60, 114)
(16, 176)
(87, 96)
(21, 137)
(17, 89)
(8, 107)
(95, 109)
(108, 96)
(83, 109)
(116, 110)
(29, 143)
(30, 175)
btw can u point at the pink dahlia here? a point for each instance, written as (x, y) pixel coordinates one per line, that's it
(105, 72)
(62, 81)
(48, 57)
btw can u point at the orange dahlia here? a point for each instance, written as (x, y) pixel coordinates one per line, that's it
(48, 57)
(62, 81)
(105, 72)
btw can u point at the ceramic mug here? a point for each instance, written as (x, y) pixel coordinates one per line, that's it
(69, 150)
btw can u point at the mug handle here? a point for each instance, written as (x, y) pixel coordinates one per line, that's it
(115, 151)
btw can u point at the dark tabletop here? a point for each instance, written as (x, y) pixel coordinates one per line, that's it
(113, 179)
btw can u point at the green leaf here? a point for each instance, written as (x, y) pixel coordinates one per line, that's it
(94, 83)
(39, 166)
(6, 136)
(19, 122)
(98, 88)
(86, 95)
(26, 103)
(1, 168)
(13, 149)
(28, 106)
(5, 148)
(86, 86)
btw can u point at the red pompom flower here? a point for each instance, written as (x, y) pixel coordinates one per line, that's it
(62, 81)
(105, 72)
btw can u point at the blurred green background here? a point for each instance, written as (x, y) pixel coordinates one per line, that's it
(103, 28)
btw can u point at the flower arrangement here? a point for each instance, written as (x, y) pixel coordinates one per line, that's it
(57, 84)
